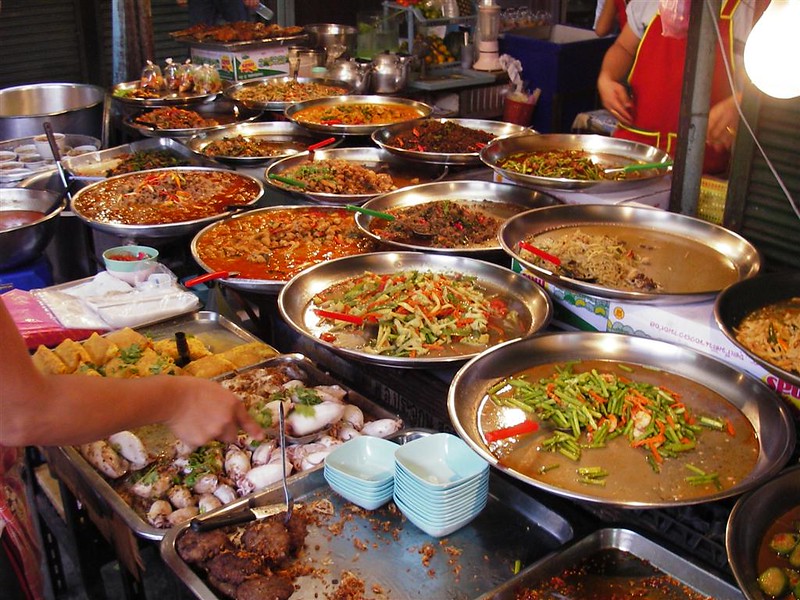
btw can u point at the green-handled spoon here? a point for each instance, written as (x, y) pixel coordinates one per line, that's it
(368, 211)
(288, 181)
(639, 167)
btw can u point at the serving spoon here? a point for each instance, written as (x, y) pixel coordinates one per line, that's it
(382, 215)
(556, 261)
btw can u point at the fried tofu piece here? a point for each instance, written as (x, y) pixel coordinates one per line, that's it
(209, 366)
(72, 354)
(48, 361)
(248, 354)
(153, 363)
(124, 338)
(169, 347)
(87, 369)
(119, 367)
(100, 349)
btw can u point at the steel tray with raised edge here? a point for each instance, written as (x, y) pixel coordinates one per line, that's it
(385, 550)
(620, 541)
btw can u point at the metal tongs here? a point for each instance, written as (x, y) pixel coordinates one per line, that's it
(251, 511)
(62, 173)
(264, 12)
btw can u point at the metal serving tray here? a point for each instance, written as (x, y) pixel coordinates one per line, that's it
(513, 527)
(222, 334)
(226, 113)
(623, 540)
(79, 167)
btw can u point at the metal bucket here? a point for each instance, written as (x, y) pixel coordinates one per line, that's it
(69, 107)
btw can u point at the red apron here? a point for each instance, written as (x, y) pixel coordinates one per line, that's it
(656, 90)
(622, 15)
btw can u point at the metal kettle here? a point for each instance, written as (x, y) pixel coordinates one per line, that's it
(356, 72)
(390, 72)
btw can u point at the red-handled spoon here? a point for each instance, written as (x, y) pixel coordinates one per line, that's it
(321, 144)
(210, 277)
(556, 261)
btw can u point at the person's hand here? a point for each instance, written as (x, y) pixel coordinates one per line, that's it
(723, 119)
(206, 411)
(250, 4)
(615, 99)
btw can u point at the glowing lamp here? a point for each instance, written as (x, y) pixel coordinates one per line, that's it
(772, 50)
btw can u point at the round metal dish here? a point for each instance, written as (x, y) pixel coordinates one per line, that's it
(608, 151)
(732, 248)
(422, 109)
(495, 199)
(278, 132)
(743, 297)
(295, 298)
(279, 105)
(224, 112)
(750, 519)
(245, 284)
(769, 417)
(384, 137)
(163, 230)
(168, 98)
(403, 172)
(21, 244)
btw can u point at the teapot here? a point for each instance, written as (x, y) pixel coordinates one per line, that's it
(356, 72)
(390, 72)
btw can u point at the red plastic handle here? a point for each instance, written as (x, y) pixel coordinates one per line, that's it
(541, 253)
(322, 144)
(209, 277)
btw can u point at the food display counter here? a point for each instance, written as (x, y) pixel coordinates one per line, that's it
(528, 531)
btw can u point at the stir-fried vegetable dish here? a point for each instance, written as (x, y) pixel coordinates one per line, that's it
(285, 91)
(600, 258)
(559, 164)
(415, 313)
(169, 117)
(773, 333)
(338, 176)
(354, 113)
(441, 137)
(143, 160)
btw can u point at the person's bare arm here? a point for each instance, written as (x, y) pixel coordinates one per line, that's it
(723, 118)
(607, 19)
(614, 71)
(37, 409)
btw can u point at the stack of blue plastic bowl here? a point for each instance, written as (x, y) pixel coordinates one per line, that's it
(440, 483)
(362, 471)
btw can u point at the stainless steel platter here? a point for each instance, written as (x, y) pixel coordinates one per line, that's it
(160, 230)
(25, 145)
(384, 549)
(621, 542)
(225, 113)
(122, 93)
(743, 297)
(749, 521)
(421, 110)
(385, 137)
(270, 284)
(232, 91)
(769, 417)
(404, 173)
(499, 200)
(289, 138)
(607, 151)
(269, 41)
(92, 165)
(295, 300)
(694, 259)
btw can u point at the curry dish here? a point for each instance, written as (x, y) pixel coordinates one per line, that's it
(165, 196)
(277, 244)
(352, 113)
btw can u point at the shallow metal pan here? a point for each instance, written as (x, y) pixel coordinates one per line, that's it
(513, 527)
(610, 152)
(384, 137)
(749, 521)
(279, 105)
(224, 112)
(622, 540)
(167, 97)
(84, 167)
(272, 131)
(422, 109)
(695, 282)
(284, 40)
(164, 230)
(374, 159)
(744, 297)
(296, 296)
(769, 417)
(495, 199)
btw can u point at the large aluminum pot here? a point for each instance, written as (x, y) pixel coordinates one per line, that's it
(327, 36)
(24, 243)
(69, 107)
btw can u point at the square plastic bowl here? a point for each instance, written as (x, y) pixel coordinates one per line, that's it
(367, 459)
(440, 461)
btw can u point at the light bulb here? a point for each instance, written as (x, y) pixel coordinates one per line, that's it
(772, 50)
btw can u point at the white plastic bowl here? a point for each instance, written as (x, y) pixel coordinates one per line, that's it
(440, 461)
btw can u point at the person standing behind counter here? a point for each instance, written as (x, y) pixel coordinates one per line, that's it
(653, 64)
(58, 410)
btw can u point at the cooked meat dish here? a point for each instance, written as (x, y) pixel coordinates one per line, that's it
(143, 160)
(285, 91)
(773, 333)
(269, 539)
(445, 137)
(253, 147)
(234, 566)
(169, 117)
(199, 548)
(559, 164)
(337, 176)
(238, 31)
(273, 587)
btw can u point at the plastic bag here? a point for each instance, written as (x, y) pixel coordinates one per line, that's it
(151, 78)
(171, 78)
(674, 17)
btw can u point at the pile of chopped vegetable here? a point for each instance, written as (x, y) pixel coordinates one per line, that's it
(558, 164)
(415, 312)
(589, 409)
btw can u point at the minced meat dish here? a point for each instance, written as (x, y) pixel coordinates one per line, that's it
(337, 176)
(441, 137)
